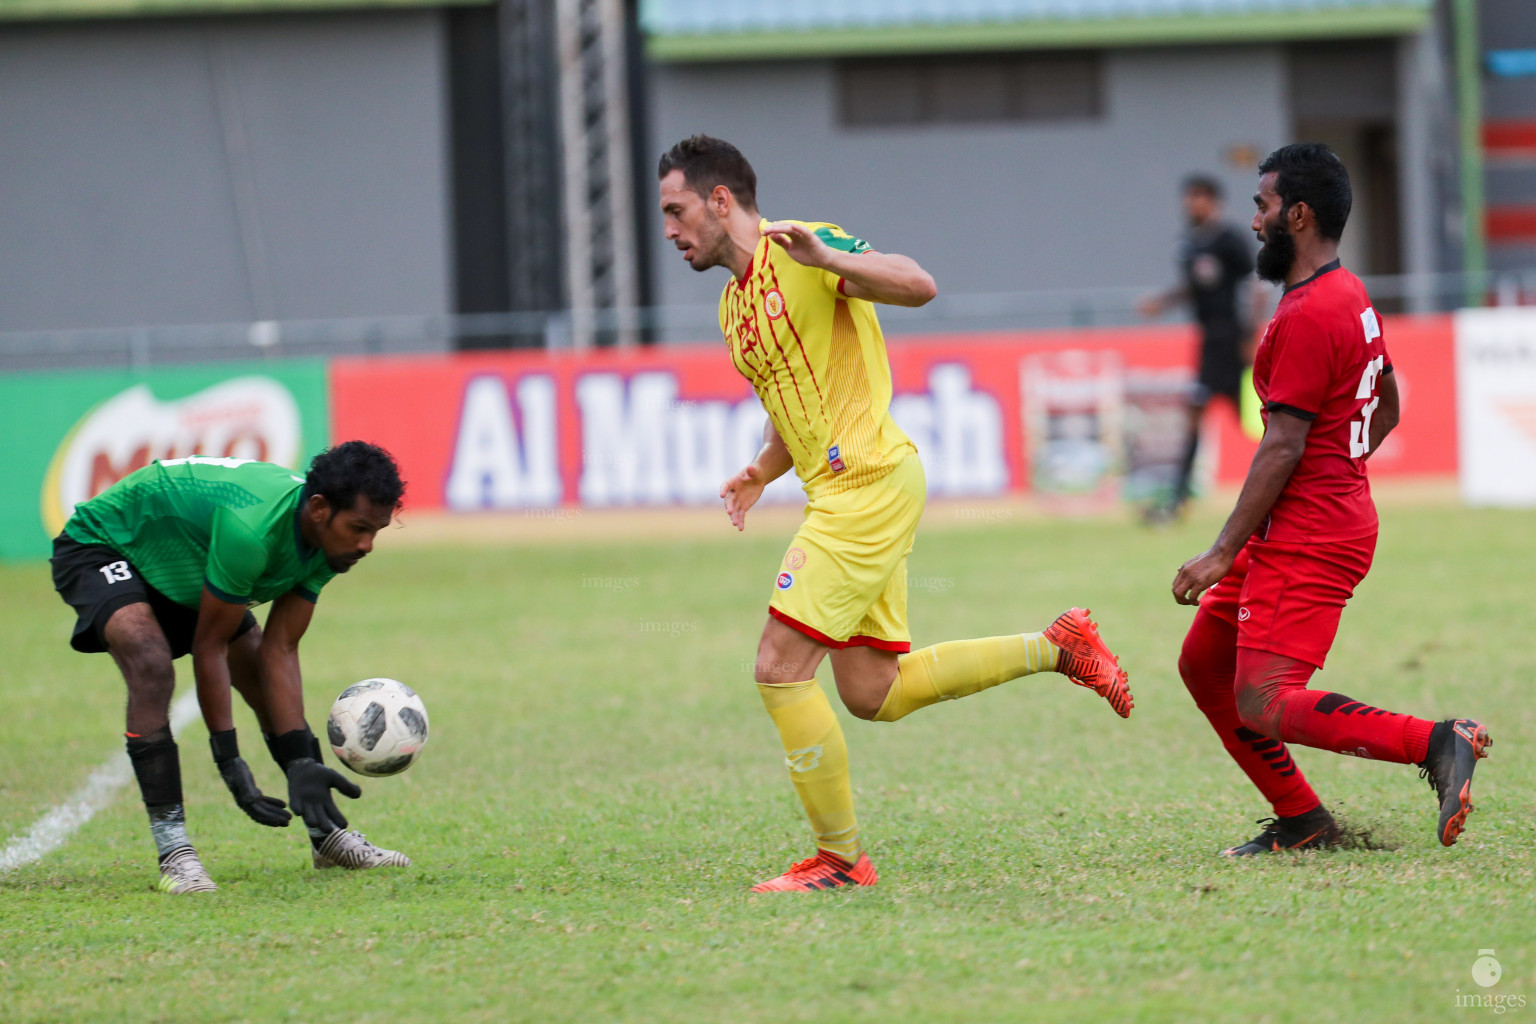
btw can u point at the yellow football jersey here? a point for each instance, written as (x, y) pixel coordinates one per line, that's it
(817, 360)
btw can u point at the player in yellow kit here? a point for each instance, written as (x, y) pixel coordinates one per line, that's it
(799, 321)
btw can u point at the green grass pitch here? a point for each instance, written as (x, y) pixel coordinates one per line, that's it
(602, 785)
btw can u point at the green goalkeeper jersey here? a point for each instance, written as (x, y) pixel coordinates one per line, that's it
(229, 524)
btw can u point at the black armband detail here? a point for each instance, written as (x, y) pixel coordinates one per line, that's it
(1386, 370)
(1291, 410)
(224, 746)
(294, 746)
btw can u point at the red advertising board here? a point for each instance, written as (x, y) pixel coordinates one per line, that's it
(991, 413)
(1423, 351)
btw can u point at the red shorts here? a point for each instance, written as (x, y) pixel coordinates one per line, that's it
(1287, 598)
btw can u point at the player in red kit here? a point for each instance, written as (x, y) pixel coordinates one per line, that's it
(1303, 533)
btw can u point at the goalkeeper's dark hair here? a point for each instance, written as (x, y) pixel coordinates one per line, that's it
(707, 162)
(356, 468)
(1311, 173)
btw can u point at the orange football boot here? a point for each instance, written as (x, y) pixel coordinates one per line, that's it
(1087, 661)
(823, 871)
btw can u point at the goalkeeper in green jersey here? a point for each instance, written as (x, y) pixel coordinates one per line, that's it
(169, 561)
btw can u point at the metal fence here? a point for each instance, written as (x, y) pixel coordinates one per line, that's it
(132, 347)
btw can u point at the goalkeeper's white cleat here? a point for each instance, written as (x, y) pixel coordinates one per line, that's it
(181, 872)
(345, 848)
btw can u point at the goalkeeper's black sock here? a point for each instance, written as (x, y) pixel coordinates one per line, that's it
(157, 767)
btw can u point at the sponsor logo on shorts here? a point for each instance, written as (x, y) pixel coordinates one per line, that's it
(786, 580)
(1243, 614)
(835, 459)
(773, 304)
(795, 559)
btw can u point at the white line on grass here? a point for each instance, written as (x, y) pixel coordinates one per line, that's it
(51, 831)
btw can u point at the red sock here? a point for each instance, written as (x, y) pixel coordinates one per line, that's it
(1207, 665)
(1273, 695)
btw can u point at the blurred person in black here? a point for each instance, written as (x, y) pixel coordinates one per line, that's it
(1214, 261)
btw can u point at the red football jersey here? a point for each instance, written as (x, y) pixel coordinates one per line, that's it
(1321, 359)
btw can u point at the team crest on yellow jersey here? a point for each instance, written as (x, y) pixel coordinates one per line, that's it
(773, 304)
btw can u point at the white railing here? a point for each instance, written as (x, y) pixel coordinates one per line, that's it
(666, 325)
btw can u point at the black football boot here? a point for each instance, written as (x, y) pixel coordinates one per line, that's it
(1454, 748)
(1315, 830)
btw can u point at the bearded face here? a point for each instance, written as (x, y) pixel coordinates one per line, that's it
(1278, 254)
(713, 248)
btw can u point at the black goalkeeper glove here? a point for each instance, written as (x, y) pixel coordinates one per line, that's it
(264, 810)
(309, 790)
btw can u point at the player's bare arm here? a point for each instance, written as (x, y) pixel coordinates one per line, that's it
(742, 490)
(1284, 441)
(884, 277)
(282, 687)
(217, 621)
(309, 782)
(1387, 413)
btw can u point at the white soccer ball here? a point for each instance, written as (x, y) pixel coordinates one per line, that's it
(377, 727)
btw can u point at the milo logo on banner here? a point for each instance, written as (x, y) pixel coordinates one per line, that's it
(253, 417)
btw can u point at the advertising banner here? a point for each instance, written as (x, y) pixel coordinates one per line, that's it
(1496, 397)
(1079, 416)
(68, 436)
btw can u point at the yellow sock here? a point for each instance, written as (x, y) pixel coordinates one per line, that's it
(960, 668)
(817, 758)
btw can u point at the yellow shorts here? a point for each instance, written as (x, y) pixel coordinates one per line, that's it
(843, 581)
